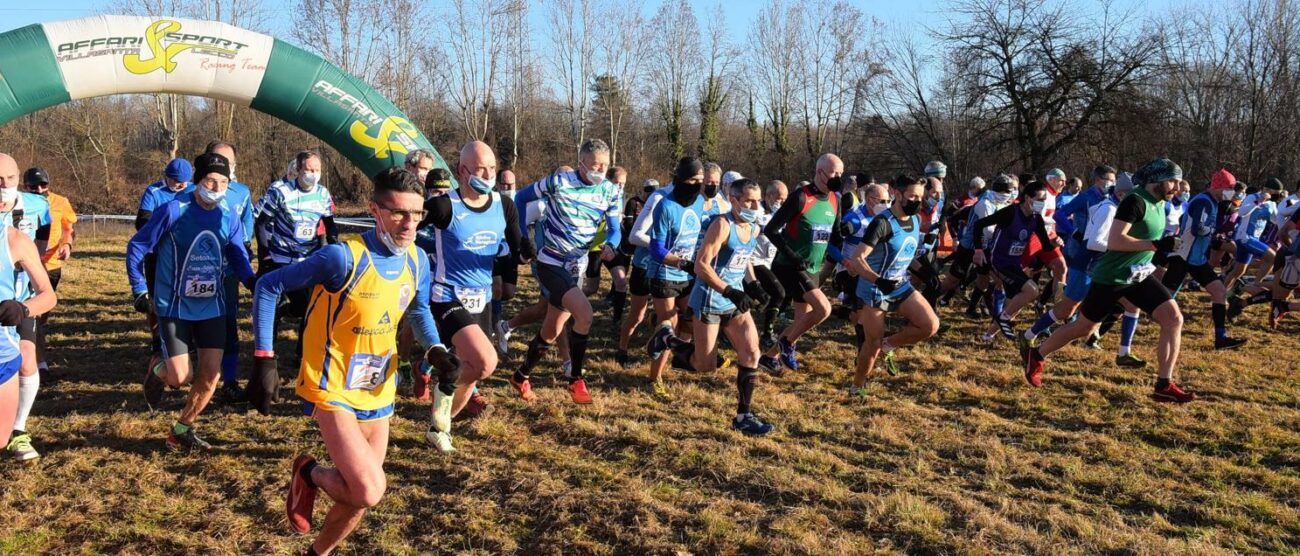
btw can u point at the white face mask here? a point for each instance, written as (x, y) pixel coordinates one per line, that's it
(1039, 207)
(8, 195)
(880, 208)
(232, 173)
(388, 241)
(595, 177)
(210, 196)
(1227, 195)
(307, 180)
(1001, 198)
(424, 174)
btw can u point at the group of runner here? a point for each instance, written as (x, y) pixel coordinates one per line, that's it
(709, 252)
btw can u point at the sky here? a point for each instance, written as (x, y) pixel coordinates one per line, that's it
(916, 14)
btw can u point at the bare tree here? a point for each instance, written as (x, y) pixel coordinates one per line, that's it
(829, 55)
(772, 68)
(474, 55)
(720, 60)
(621, 57)
(572, 57)
(676, 68)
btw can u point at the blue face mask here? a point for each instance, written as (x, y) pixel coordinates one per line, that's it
(747, 215)
(481, 185)
(1183, 197)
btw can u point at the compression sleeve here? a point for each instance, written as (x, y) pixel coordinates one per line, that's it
(877, 231)
(522, 198)
(784, 215)
(641, 227)
(1000, 218)
(328, 266)
(238, 255)
(520, 246)
(142, 243)
(421, 316)
(438, 212)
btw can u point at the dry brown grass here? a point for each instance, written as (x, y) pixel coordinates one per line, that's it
(954, 456)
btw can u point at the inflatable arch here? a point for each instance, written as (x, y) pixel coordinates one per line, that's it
(45, 64)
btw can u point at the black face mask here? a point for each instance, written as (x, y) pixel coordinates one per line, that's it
(834, 184)
(710, 191)
(911, 207)
(685, 193)
(647, 190)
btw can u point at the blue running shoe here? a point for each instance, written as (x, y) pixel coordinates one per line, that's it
(751, 425)
(771, 365)
(788, 356)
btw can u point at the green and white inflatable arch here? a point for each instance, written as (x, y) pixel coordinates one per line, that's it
(45, 64)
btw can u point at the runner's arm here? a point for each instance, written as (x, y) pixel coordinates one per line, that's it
(1131, 210)
(426, 332)
(1000, 218)
(522, 198)
(640, 234)
(25, 256)
(613, 221)
(520, 246)
(437, 212)
(142, 243)
(331, 229)
(237, 253)
(877, 231)
(1200, 219)
(713, 240)
(43, 237)
(328, 266)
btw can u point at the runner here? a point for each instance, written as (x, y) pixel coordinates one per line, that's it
(30, 213)
(718, 300)
(192, 240)
(1073, 216)
(678, 220)
(26, 293)
(1016, 225)
(359, 290)
(1000, 193)
(240, 200)
(174, 185)
(876, 201)
(1288, 277)
(925, 263)
(1124, 272)
(618, 273)
(880, 261)
(472, 227)
(638, 283)
(1190, 255)
(505, 271)
(289, 226)
(800, 233)
(1256, 214)
(1174, 210)
(576, 202)
(774, 195)
(59, 244)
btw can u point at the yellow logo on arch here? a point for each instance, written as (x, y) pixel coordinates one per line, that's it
(162, 55)
(388, 136)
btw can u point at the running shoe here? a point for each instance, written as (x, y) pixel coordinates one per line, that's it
(301, 499)
(525, 389)
(1173, 393)
(858, 392)
(474, 408)
(1130, 361)
(1034, 367)
(987, 339)
(771, 365)
(1093, 342)
(1277, 313)
(660, 390)
(723, 361)
(232, 394)
(440, 440)
(441, 417)
(1004, 325)
(1230, 343)
(750, 425)
(891, 366)
(421, 378)
(1235, 308)
(578, 390)
(767, 342)
(658, 343)
(566, 369)
(503, 337)
(188, 441)
(20, 447)
(789, 357)
(621, 358)
(154, 387)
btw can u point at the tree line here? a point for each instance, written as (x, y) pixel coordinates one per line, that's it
(990, 86)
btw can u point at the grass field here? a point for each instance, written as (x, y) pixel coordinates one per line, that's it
(956, 455)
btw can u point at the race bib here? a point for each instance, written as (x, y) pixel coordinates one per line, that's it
(1017, 249)
(366, 372)
(200, 288)
(575, 267)
(304, 232)
(1139, 272)
(472, 299)
(898, 274)
(821, 233)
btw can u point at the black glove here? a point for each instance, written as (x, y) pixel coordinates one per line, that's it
(756, 292)
(526, 251)
(886, 286)
(625, 247)
(12, 312)
(738, 297)
(264, 385)
(143, 304)
(801, 265)
(688, 267)
(931, 238)
(442, 361)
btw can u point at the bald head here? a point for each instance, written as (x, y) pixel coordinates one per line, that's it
(476, 159)
(8, 172)
(829, 169)
(506, 181)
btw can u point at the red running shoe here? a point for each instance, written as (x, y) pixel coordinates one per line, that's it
(525, 389)
(578, 389)
(1174, 394)
(1033, 367)
(475, 407)
(420, 383)
(302, 497)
